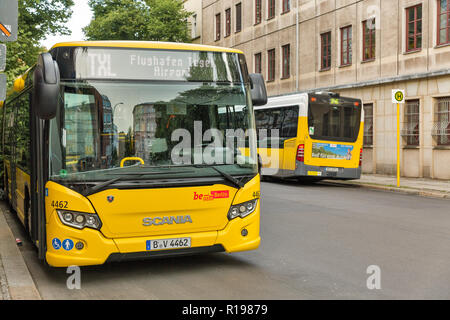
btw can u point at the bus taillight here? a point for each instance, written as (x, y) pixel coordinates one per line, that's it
(360, 157)
(301, 153)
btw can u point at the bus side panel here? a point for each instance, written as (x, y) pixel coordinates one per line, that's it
(272, 160)
(8, 181)
(289, 154)
(22, 181)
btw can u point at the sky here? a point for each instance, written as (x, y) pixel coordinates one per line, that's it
(80, 18)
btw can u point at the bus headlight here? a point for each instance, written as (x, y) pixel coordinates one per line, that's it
(80, 220)
(242, 209)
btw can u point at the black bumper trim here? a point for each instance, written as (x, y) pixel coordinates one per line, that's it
(144, 255)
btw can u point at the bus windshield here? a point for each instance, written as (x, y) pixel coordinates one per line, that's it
(334, 119)
(146, 130)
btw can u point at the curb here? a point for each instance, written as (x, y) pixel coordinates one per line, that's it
(404, 190)
(18, 283)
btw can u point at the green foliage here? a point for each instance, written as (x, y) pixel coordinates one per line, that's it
(37, 19)
(155, 20)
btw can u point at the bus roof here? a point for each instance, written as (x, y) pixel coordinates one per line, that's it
(146, 45)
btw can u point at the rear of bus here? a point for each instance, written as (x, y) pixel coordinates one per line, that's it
(310, 137)
(330, 138)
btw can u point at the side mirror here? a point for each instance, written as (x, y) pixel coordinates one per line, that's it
(259, 92)
(46, 87)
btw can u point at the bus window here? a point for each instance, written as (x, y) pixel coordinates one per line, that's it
(337, 122)
(284, 119)
(22, 122)
(289, 125)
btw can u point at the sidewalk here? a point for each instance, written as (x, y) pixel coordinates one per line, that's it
(15, 279)
(417, 186)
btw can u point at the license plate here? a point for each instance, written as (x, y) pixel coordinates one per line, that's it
(163, 244)
(332, 169)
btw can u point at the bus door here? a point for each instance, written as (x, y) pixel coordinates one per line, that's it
(289, 154)
(288, 134)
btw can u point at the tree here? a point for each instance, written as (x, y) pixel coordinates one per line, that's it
(157, 20)
(36, 20)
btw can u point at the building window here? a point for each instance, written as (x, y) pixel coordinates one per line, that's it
(441, 129)
(239, 17)
(412, 122)
(368, 124)
(217, 26)
(258, 12)
(346, 46)
(286, 61)
(443, 21)
(369, 28)
(271, 9)
(286, 6)
(271, 65)
(414, 28)
(258, 63)
(227, 22)
(325, 56)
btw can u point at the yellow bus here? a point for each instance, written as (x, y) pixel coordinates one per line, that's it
(310, 136)
(116, 150)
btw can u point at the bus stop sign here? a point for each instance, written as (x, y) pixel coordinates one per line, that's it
(398, 96)
(8, 20)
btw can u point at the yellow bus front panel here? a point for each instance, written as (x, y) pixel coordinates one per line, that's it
(123, 231)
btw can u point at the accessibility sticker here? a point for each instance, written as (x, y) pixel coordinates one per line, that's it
(67, 244)
(56, 243)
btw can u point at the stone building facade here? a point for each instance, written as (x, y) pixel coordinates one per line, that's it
(359, 48)
(195, 20)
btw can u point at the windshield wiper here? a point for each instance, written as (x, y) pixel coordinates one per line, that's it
(88, 191)
(227, 176)
(100, 186)
(239, 184)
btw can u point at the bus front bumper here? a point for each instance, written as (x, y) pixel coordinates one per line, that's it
(96, 249)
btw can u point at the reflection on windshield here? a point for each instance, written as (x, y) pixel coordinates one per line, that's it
(108, 128)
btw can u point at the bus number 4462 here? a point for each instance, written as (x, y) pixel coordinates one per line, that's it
(59, 204)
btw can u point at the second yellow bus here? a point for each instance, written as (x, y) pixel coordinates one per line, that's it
(311, 136)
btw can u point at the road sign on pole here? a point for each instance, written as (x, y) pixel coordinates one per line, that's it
(8, 20)
(2, 57)
(2, 86)
(398, 97)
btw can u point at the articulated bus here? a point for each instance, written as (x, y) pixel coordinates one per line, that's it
(127, 150)
(310, 136)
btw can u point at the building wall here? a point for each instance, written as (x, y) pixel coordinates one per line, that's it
(195, 20)
(424, 74)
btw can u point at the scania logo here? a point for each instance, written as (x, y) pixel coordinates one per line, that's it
(157, 221)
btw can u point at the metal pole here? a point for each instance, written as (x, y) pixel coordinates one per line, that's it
(297, 49)
(398, 145)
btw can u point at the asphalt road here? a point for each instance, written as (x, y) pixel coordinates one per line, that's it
(317, 243)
